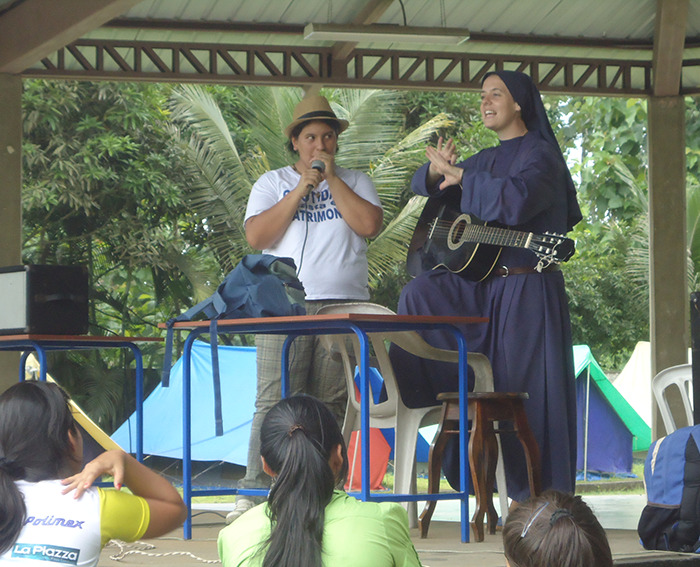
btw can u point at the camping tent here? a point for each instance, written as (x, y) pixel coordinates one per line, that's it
(634, 382)
(609, 429)
(162, 410)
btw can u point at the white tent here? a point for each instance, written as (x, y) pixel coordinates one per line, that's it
(634, 382)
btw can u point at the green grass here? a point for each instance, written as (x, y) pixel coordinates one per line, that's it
(615, 484)
(421, 483)
(220, 499)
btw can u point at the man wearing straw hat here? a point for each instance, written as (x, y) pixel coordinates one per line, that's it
(319, 214)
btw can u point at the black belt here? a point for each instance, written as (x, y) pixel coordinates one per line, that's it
(505, 271)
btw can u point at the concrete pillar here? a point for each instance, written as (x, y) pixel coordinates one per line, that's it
(669, 294)
(10, 195)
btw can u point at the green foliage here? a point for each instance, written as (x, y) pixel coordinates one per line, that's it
(102, 188)
(692, 136)
(608, 132)
(606, 311)
(606, 284)
(614, 189)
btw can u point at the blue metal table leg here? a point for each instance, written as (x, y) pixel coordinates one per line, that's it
(364, 411)
(23, 365)
(464, 477)
(41, 358)
(41, 355)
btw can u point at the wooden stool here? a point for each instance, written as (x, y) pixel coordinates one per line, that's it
(483, 409)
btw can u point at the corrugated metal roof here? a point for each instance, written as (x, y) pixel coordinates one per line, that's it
(611, 20)
(585, 30)
(622, 19)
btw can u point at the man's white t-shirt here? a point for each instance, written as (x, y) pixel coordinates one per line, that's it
(330, 256)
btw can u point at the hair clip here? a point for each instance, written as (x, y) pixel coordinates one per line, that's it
(532, 518)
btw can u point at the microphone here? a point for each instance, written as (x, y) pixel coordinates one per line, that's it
(318, 165)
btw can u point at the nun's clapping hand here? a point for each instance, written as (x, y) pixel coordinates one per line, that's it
(442, 163)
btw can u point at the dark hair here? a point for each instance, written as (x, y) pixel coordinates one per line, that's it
(35, 419)
(297, 438)
(555, 529)
(299, 127)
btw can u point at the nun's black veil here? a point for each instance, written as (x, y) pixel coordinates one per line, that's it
(533, 113)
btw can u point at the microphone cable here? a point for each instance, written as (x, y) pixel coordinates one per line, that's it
(318, 165)
(306, 233)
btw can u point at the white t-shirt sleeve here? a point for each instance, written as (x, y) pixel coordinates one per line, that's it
(361, 184)
(267, 191)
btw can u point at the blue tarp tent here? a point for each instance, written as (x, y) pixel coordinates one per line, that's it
(163, 409)
(609, 429)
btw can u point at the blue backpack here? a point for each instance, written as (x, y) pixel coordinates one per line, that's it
(261, 285)
(671, 519)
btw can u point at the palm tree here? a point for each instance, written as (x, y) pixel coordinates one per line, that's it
(222, 174)
(638, 263)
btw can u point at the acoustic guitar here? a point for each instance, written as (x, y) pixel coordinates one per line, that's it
(466, 245)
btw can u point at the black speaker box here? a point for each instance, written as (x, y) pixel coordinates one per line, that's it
(44, 300)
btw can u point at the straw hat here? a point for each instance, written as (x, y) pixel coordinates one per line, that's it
(313, 107)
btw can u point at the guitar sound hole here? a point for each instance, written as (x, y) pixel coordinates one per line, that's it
(455, 238)
(459, 231)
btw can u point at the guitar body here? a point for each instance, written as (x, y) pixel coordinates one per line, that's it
(465, 245)
(435, 246)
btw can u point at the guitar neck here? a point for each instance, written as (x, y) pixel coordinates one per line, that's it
(497, 236)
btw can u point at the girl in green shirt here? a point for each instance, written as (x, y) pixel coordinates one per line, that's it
(306, 522)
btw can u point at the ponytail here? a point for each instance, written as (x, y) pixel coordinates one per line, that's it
(298, 437)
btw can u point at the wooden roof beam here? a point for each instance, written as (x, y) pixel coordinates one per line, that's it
(35, 29)
(669, 40)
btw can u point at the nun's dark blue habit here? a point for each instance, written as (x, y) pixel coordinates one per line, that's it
(522, 183)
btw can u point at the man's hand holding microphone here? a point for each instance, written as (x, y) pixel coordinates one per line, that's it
(311, 178)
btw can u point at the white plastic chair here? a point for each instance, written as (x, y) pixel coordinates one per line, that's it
(680, 377)
(392, 413)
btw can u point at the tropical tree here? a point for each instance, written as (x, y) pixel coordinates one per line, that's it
(605, 134)
(605, 139)
(610, 135)
(102, 188)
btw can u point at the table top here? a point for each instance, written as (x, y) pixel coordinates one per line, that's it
(77, 338)
(400, 320)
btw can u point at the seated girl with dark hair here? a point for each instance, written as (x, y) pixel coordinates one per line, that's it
(306, 522)
(49, 510)
(555, 529)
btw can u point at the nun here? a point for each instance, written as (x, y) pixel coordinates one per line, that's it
(522, 184)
